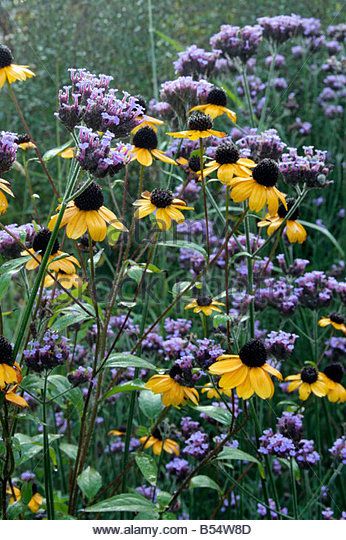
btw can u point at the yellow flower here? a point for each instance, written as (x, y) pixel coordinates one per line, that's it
(87, 213)
(145, 148)
(199, 126)
(212, 393)
(165, 207)
(144, 119)
(10, 72)
(332, 377)
(118, 432)
(65, 279)
(3, 200)
(12, 397)
(248, 372)
(24, 142)
(173, 393)
(68, 153)
(260, 189)
(158, 444)
(35, 502)
(336, 320)
(9, 370)
(58, 260)
(216, 105)
(228, 163)
(294, 230)
(307, 381)
(204, 304)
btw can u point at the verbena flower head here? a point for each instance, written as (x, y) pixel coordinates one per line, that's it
(46, 353)
(8, 245)
(276, 444)
(281, 28)
(316, 289)
(280, 344)
(312, 168)
(263, 511)
(291, 425)
(183, 93)
(338, 450)
(80, 376)
(96, 155)
(306, 454)
(197, 445)
(196, 62)
(179, 467)
(262, 145)
(8, 150)
(236, 42)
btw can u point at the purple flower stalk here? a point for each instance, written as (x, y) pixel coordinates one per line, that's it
(236, 42)
(8, 150)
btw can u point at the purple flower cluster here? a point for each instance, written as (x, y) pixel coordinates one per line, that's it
(296, 268)
(315, 289)
(177, 327)
(280, 344)
(90, 99)
(336, 348)
(183, 93)
(179, 467)
(276, 444)
(291, 425)
(96, 155)
(197, 445)
(262, 145)
(196, 62)
(338, 450)
(311, 168)
(306, 454)
(47, 353)
(24, 233)
(80, 375)
(332, 95)
(8, 150)
(281, 28)
(277, 293)
(236, 42)
(188, 426)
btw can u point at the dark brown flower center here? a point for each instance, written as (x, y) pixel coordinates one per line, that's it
(266, 172)
(157, 434)
(204, 301)
(6, 57)
(22, 139)
(91, 198)
(337, 318)
(334, 372)
(199, 121)
(194, 163)
(145, 138)
(309, 374)
(141, 102)
(227, 152)
(253, 353)
(6, 352)
(282, 212)
(41, 241)
(217, 96)
(161, 198)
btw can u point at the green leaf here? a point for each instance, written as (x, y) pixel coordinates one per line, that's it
(180, 244)
(89, 482)
(69, 449)
(148, 467)
(74, 315)
(126, 502)
(128, 360)
(326, 233)
(220, 415)
(132, 386)
(5, 281)
(53, 152)
(236, 454)
(173, 42)
(10, 267)
(150, 404)
(203, 481)
(295, 466)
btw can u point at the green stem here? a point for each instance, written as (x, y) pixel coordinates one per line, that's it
(250, 290)
(204, 196)
(152, 50)
(268, 87)
(294, 491)
(228, 326)
(46, 456)
(248, 96)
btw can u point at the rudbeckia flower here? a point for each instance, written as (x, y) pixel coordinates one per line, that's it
(24, 142)
(68, 153)
(119, 432)
(294, 230)
(212, 393)
(10, 72)
(248, 372)
(199, 126)
(336, 320)
(158, 444)
(173, 392)
(3, 200)
(9, 373)
(332, 377)
(58, 260)
(191, 166)
(228, 163)
(12, 397)
(87, 213)
(35, 502)
(144, 119)
(260, 189)
(66, 280)
(307, 381)
(145, 148)
(216, 105)
(165, 207)
(204, 304)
